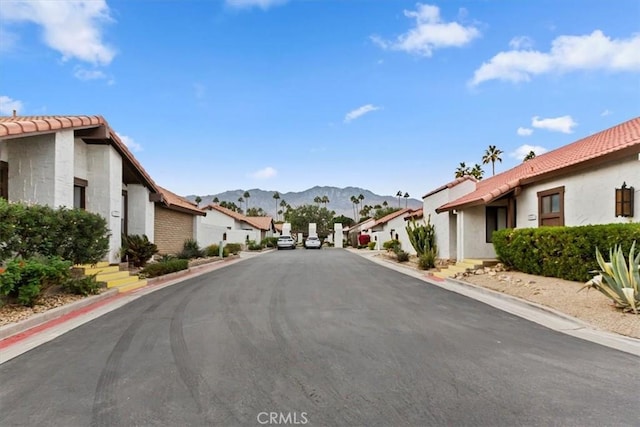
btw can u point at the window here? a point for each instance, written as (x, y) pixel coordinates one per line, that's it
(4, 180)
(79, 193)
(624, 201)
(496, 219)
(124, 218)
(551, 207)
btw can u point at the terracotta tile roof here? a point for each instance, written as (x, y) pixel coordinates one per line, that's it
(391, 216)
(451, 185)
(261, 223)
(623, 139)
(175, 202)
(418, 213)
(278, 227)
(20, 126)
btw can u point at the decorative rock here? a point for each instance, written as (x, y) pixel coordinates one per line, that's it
(531, 282)
(492, 273)
(479, 271)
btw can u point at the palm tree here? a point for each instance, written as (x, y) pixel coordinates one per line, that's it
(492, 155)
(354, 200)
(317, 200)
(406, 199)
(529, 156)
(198, 199)
(325, 200)
(462, 170)
(276, 197)
(476, 172)
(398, 195)
(240, 200)
(246, 196)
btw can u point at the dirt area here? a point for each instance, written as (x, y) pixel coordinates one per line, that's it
(564, 296)
(12, 313)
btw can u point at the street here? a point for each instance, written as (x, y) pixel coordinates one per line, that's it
(318, 338)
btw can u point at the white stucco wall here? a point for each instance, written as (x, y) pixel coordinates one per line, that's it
(471, 232)
(589, 196)
(104, 192)
(32, 169)
(141, 211)
(80, 169)
(3, 151)
(210, 229)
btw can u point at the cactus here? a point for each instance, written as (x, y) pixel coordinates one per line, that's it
(423, 237)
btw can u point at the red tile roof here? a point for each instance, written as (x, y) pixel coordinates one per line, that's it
(175, 202)
(622, 140)
(418, 213)
(259, 222)
(451, 185)
(391, 216)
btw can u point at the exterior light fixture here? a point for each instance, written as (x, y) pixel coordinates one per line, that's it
(624, 201)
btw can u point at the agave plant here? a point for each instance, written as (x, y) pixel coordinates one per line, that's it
(617, 281)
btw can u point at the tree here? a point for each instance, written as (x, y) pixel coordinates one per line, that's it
(246, 196)
(529, 156)
(385, 204)
(301, 216)
(354, 200)
(384, 212)
(406, 199)
(216, 200)
(198, 199)
(462, 170)
(240, 200)
(492, 155)
(317, 200)
(325, 200)
(276, 197)
(398, 195)
(476, 172)
(365, 211)
(256, 212)
(344, 220)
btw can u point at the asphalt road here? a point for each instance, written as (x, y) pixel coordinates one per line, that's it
(319, 338)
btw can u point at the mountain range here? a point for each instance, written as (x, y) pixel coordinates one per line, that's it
(339, 199)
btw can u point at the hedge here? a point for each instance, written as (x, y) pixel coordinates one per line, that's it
(562, 252)
(164, 267)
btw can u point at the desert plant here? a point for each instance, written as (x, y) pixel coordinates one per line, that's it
(269, 242)
(233, 248)
(26, 279)
(402, 256)
(137, 249)
(253, 246)
(164, 267)
(427, 260)
(422, 237)
(372, 245)
(190, 250)
(82, 285)
(392, 245)
(214, 250)
(616, 280)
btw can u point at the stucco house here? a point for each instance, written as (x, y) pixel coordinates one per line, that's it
(221, 223)
(594, 180)
(392, 226)
(175, 220)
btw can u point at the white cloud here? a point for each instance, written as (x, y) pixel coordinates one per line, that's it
(84, 74)
(594, 51)
(430, 33)
(521, 152)
(130, 143)
(264, 173)
(7, 105)
(524, 131)
(263, 4)
(564, 124)
(72, 27)
(359, 112)
(521, 42)
(606, 113)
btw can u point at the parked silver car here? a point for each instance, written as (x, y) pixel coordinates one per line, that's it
(313, 242)
(286, 242)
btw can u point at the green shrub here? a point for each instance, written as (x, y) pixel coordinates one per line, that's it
(26, 279)
(137, 249)
(391, 245)
(563, 252)
(372, 245)
(82, 285)
(253, 246)
(427, 260)
(190, 250)
(402, 256)
(423, 238)
(233, 248)
(214, 250)
(269, 242)
(617, 281)
(72, 234)
(164, 267)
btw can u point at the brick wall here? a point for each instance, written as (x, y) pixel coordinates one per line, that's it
(171, 230)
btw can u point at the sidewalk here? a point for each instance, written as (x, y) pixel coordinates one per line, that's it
(537, 313)
(18, 338)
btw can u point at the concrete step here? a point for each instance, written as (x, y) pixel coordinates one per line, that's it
(113, 275)
(99, 264)
(481, 262)
(88, 271)
(116, 283)
(131, 286)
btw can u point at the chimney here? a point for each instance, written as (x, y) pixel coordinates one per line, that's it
(14, 113)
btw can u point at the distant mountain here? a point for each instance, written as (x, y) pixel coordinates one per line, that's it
(339, 199)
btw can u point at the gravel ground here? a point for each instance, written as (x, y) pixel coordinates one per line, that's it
(564, 296)
(12, 313)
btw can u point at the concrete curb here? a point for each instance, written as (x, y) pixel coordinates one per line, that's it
(542, 315)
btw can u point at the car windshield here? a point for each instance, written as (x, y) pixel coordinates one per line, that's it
(312, 238)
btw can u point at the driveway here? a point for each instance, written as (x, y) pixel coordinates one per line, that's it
(322, 338)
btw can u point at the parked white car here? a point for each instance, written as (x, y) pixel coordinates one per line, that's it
(313, 242)
(286, 242)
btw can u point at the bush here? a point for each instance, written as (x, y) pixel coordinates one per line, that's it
(269, 242)
(190, 250)
(563, 252)
(363, 240)
(214, 250)
(137, 249)
(402, 256)
(392, 245)
(82, 285)
(427, 260)
(372, 245)
(166, 266)
(253, 246)
(25, 280)
(423, 239)
(72, 234)
(233, 248)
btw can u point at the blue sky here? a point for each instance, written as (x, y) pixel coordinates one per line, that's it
(215, 95)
